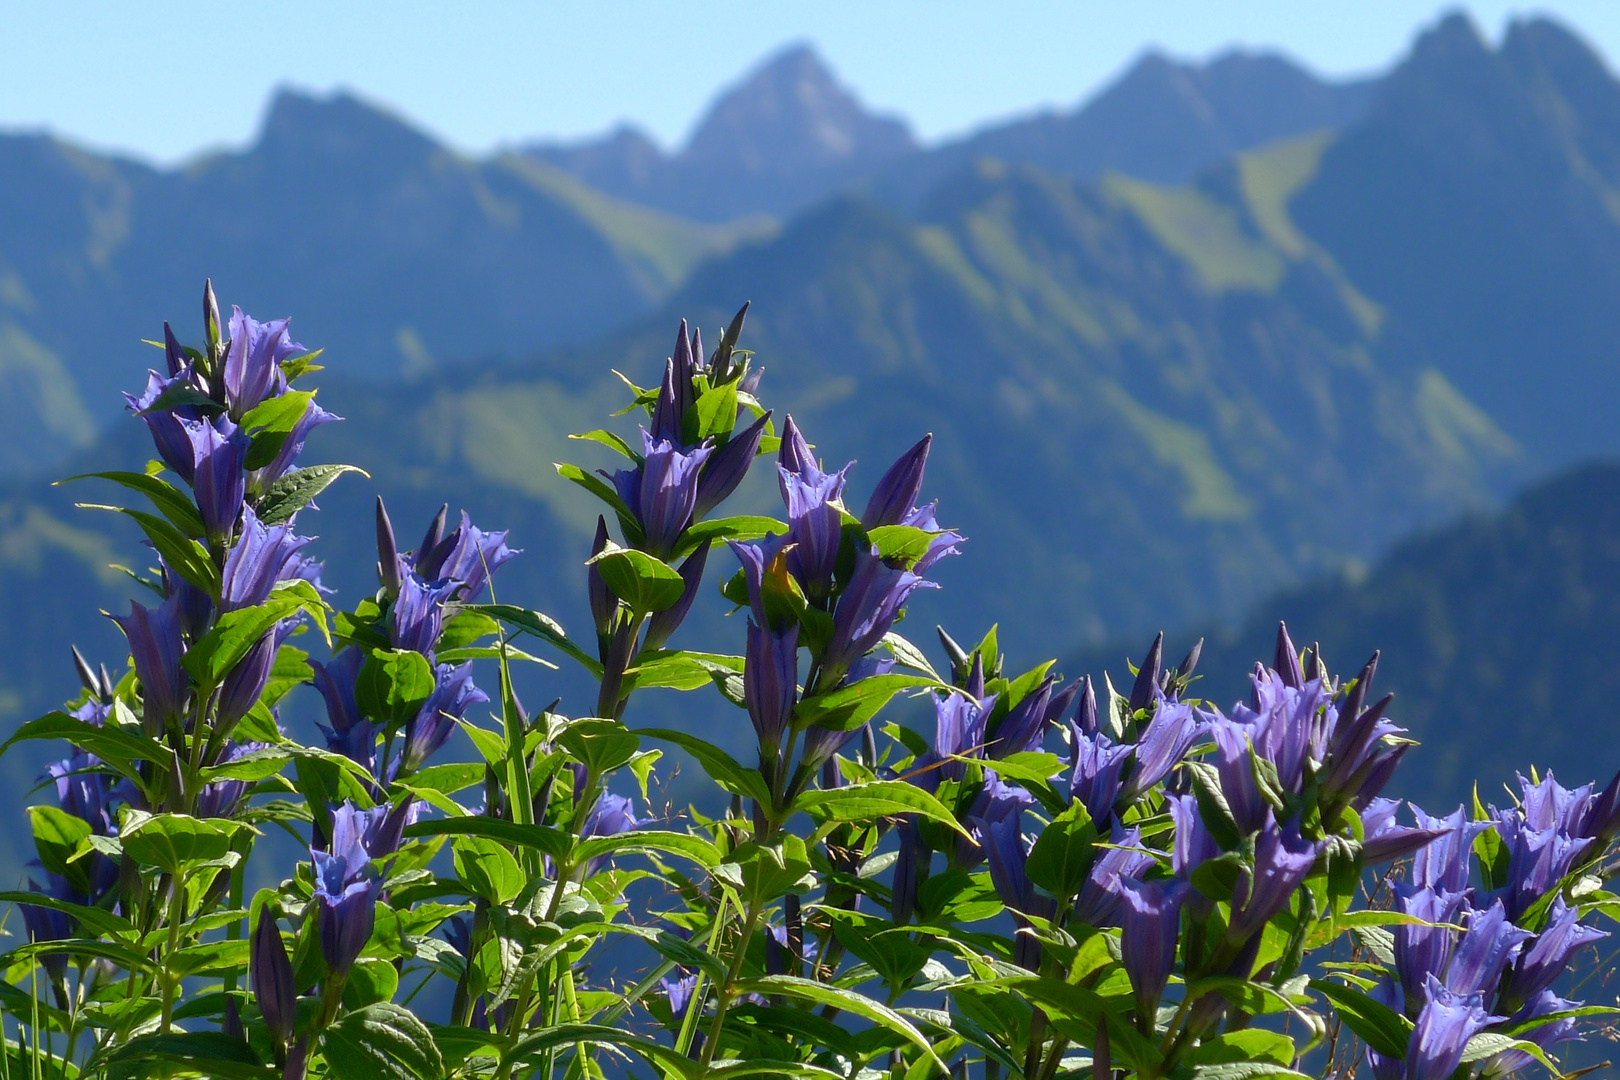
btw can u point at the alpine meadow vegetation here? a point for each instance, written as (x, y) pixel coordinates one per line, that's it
(1058, 880)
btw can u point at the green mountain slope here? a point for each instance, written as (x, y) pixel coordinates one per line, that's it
(391, 250)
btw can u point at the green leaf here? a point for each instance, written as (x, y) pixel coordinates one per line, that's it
(645, 583)
(908, 655)
(393, 685)
(845, 1001)
(181, 395)
(1062, 856)
(381, 1042)
(270, 422)
(183, 555)
(722, 768)
(199, 1053)
(1374, 1023)
(541, 837)
(876, 799)
(170, 501)
(686, 845)
(1247, 1070)
(57, 835)
(679, 670)
(611, 441)
(901, 544)
(740, 527)
(175, 843)
(604, 491)
(370, 981)
(1249, 1045)
(713, 413)
(449, 778)
(296, 489)
(224, 646)
(540, 625)
(252, 766)
(115, 746)
(848, 707)
(93, 918)
(603, 745)
(561, 1036)
(487, 868)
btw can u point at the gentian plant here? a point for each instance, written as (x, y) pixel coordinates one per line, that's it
(1049, 879)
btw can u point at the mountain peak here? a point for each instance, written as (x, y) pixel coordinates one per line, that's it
(789, 114)
(338, 124)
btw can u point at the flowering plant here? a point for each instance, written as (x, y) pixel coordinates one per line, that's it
(1061, 880)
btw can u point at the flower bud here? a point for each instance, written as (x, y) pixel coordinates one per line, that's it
(271, 974)
(896, 494)
(666, 622)
(604, 605)
(387, 552)
(727, 467)
(1147, 676)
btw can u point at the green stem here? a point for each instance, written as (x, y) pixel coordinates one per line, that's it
(177, 915)
(723, 1001)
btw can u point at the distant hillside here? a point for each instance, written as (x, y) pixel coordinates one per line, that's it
(1478, 205)
(391, 250)
(1500, 638)
(790, 134)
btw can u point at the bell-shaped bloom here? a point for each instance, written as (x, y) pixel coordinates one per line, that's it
(1545, 1035)
(246, 681)
(1357, 755)
(896, 493)
(770, 683)
(1147, 676)
(1099, 899)
(1445, 862)
(169, 429)
(270, 973)
(1162, 744)
(959, 721)
(911, 865)
(815, 529)
(795, 458)
(453, 694)
(1541, 963)
(1232, 762)
(262, 556)
(336, 682)
(1444, 1025)
(364, 835)
(1095, 776)
(612, 815)
(156, 648)
(472, 556)
(1086, 716)
(1550, 805)
(1282, 859)
(218, 482)
(1383, 838)
(765, 573)
(253, 362)
(346, 908)
(1538, 859)
(1192, 847)
(662, 491)
(1483, 951)
(1001, 835)
(679, 991)
(418, 614)
(313, 416)
(947, 542)
(1024, 727)
(1150, 921)
(728, 466)
(1422, 951)
(867, 609)
(666, 622)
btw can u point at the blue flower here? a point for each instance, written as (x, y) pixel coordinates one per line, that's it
(662, 491)
(270, 974)
(666, 622)
(1282, 859)
(867, 609)
(1538, 859)
(1446, 862)
(155, 647)
(815, 516)
(1422, 950)
(1095, 779)
(223, 798)
(168, 427)
(1539, 966)
(1485, 948)
(469, 556)
(313, 416)
(262, 556)
(1150, 919)
(1160, 747)
(253, 362)
(895, 496)
(346, 887)
(771, 684)
(728, 466)
(453, 694)
(1444, 1025)
(218, 482)
(417, 617)
(1384, 839)
(1099, 900)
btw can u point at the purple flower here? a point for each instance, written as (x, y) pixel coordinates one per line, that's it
(795, 457)
(1444, 1025)
(895, 496)
(1538, 860)
(1540, 965)
(418, 614)
(1095, 779)
(1359, 759)
(679, 992)
(675, 394)
(1545, 1035)
(727, 467)
(604, 605)
(1550, 805)
(1099, 900)
(765, 572)
(1150, 918)
(156, 648)
(262, 556)
(1445, 863)
(821, 744)
(867, 609)
(453, 694)
(815, 528)
(1384, 839)
(1162, 744)
(1001, 836)
(371, 834)
(1024, 727)
(1422, 951)
(1602, 818)
(259, 480)
(271, 975)
(612, 815)
(1282, 859)
(246, 681)
(662, 491)
(346, 910)
(336, 682)
(253, 363)
(771, 684)
(948, 542)
(168, 428)
(1486, 946)
(218, 481)
(471, 556)
(49, 924)
(388, 562)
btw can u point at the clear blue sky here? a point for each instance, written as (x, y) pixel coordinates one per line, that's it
(165, 79)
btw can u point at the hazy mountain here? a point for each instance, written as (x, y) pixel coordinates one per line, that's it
(789, 134)
(1479, 206)
(1499, 637)
(391, 250)
(785, 136)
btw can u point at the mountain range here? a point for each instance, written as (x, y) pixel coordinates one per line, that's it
(1223, 329)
